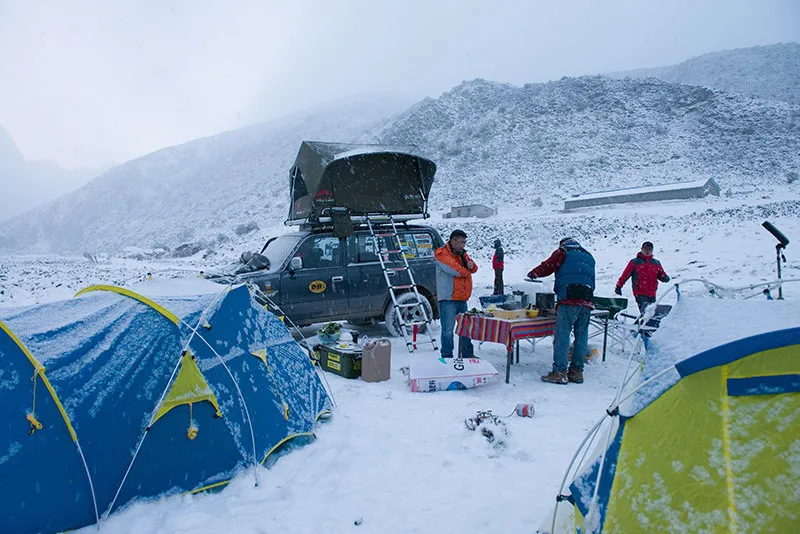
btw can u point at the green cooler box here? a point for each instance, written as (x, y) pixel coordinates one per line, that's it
(343, 359)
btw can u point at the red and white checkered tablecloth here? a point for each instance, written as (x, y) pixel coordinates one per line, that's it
(505, 331)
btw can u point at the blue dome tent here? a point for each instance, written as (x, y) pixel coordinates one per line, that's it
(112, 396)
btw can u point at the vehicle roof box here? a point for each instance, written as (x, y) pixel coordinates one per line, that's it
(364, 179)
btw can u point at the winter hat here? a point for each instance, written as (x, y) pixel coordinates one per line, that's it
(647, 244)
(566, 240)
(497, 243)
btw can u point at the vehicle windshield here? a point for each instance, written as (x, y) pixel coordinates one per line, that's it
(279, 249)
(274, 256)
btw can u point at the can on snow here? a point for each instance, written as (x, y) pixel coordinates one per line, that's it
(524, 409)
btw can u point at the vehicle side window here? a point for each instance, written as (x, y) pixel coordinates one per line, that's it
(416, 245)
(408, 246)
(367, 251)
(320, 251)
(352, 248)
(424, 243)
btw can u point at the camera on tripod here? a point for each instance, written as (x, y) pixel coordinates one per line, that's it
(782, 242)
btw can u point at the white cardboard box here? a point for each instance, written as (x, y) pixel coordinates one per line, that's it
(441, 374)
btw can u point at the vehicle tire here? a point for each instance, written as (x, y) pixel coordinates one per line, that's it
(392, 315)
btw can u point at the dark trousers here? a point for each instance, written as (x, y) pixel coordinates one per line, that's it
(498, 281)
(448, 309)
(643, 301)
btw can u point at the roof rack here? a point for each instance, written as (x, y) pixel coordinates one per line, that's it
(375, 218)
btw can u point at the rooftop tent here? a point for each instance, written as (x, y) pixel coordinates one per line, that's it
(363, 178)
(109, 397)
(711, 443)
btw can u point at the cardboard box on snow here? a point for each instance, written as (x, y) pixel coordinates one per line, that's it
(441, 374)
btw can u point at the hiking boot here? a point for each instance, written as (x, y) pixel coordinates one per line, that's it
(575, 375)
(555, 377)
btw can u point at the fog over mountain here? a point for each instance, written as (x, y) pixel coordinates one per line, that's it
(201, 191)
(27, 184)
(495, 144)
(770, 72)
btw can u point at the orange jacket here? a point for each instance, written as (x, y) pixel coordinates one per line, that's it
(453, 279)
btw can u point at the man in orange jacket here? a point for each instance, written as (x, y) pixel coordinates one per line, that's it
(454, 270)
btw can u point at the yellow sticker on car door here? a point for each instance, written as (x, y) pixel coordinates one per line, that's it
(317, 286)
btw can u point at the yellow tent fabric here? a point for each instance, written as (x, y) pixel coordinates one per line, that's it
(189, 387)
(718, 450)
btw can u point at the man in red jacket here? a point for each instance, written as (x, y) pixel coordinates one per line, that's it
(645, 272)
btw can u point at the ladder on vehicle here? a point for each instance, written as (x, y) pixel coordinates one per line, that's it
(412, 314)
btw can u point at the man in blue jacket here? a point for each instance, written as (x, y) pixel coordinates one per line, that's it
(574, 287)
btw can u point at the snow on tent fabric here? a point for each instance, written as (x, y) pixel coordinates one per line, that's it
(707, 447)
(109, 397)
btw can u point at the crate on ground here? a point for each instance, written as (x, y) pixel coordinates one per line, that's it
(343, 359)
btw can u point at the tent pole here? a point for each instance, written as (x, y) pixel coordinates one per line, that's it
(586, 438)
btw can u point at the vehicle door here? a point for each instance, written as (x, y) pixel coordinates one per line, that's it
(317, 291)
(368, 285)
(368, 290)
(423, 244)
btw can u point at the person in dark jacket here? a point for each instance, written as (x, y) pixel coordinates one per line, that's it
(498, 262)
(645, 272)
(574, 287)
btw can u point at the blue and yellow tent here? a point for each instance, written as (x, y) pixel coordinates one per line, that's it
(709, 444)
(112, 396)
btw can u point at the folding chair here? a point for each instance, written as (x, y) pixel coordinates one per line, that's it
(654, 321)
(606, 309)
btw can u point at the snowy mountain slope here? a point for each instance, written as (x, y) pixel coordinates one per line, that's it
(199, 192)
(494, 144)
(768, 72)
(580, 135)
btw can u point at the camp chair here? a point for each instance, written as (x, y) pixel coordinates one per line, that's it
(605, 312)
(652, 324)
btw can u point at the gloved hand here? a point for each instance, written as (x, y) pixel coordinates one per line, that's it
(618, 290)
(532, 276)
(666, 278)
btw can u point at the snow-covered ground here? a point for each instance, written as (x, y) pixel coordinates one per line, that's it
(392, 461)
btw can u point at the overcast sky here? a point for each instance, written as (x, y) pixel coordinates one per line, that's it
(86, 83)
